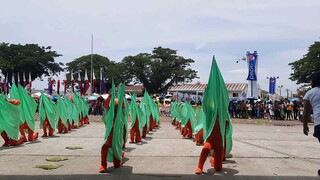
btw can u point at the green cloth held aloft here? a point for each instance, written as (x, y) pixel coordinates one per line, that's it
(136, 114)
(108, 115)
(143, 114)
(215, 102)
(69, 109)
(47, 108)
(119, 124)
(28, 105)
(62, 111)
(9, 118)
(199, 120)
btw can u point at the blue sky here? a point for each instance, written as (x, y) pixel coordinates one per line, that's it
(281, 31)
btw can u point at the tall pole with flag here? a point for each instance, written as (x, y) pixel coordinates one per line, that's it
(91, 60)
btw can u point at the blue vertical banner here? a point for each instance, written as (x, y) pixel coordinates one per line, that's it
(252, 60)
(252, 65)
(272, 85)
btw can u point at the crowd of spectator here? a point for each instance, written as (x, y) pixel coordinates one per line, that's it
(278, 110)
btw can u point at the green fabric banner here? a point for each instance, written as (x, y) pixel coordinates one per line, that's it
(215, 102)
(199, 120)
(62, 111)
(9, 118)
(47, 108)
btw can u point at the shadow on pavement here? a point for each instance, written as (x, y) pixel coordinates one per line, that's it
(126, 173)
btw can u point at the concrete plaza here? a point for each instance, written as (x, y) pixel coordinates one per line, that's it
(259, 152)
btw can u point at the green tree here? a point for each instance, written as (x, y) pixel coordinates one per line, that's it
(110, 69)
(304, 67)
(159, 70)
(28, 58)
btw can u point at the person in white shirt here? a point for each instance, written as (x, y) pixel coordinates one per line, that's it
(311, 102)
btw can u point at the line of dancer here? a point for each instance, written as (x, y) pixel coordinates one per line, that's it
(145, 117)
(18, 115)
(210, 124)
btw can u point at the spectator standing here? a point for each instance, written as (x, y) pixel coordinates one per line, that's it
(311, 102)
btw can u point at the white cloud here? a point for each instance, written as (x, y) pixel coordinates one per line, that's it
(281, 31)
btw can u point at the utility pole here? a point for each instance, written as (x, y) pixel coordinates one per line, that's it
(91, 64)
(287, 93)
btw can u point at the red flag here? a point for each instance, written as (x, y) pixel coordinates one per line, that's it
(58, 87)
(6, 86)
(2, 86)
(87, 85)
(51, 85)
(30, 82)
(94, 81)
(80, 83)
(72, 81)
(65, 84)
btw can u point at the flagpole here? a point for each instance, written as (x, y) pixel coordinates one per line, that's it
(91, 63)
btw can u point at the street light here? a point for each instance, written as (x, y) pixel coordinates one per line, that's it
(288, 93)
(244, 60)
(280, 87)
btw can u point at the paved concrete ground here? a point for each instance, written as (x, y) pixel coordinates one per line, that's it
(259, 152)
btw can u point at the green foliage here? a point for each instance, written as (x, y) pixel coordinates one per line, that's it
(304, 67)
(159, 70)
(28, 58)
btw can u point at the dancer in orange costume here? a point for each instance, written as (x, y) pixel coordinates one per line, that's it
(47, 112)
(10, 122)
(27, 108)
(215, 107)
(111, 150)
(199, 121)
(136, 126)
(31, 134)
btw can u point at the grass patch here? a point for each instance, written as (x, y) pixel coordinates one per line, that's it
(56, 159)
(258, 122)
(48, 166)
(73, 147)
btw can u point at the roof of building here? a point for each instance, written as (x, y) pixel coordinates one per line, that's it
(191, 87)
(137, 88)
(202, 87)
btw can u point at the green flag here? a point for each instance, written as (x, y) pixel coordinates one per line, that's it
(215, 102)
(62, 111)
(47, 108)
(9, 118)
